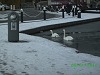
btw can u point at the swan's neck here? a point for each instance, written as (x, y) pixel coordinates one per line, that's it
(64, 33)
(51, 32)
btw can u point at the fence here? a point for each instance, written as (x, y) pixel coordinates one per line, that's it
(62, 9)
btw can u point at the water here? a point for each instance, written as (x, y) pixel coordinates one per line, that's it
(86, 37)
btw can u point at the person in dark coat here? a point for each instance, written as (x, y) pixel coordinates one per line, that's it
(68, 8)
(73, 11)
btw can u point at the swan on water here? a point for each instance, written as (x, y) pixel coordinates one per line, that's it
(67, 38)
(54, 34)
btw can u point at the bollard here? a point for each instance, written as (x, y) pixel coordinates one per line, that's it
(21, 15)
(79, 14)
(63, 11)
(13, 27)
(44, 9)
(78, 10)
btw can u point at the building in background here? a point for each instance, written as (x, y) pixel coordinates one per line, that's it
(20, 3)
(11, 2)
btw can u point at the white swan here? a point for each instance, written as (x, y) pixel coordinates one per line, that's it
(68, 38)
(54, 34)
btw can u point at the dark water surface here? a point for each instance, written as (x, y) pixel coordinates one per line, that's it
(86, 37)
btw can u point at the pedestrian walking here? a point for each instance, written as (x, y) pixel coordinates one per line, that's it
(57, 9)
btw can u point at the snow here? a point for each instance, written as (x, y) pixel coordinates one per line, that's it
(94, 10)
(3, 17)
(34, 55)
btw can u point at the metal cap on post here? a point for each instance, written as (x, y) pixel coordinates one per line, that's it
(44, 8)
(13, 27)
(79, 14)
(21, 10)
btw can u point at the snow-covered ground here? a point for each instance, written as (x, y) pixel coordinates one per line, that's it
(38, 56)
(94, 10)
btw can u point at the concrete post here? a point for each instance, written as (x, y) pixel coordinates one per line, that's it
(13, 27)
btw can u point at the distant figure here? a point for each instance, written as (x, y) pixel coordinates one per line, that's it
(73, 11)
(33, 3)
(76, 10)
(38, 7)
(57, 9)
(68, 8)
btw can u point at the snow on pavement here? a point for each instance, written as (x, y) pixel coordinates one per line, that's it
(38, 56)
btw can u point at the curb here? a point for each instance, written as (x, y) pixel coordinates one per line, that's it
(55, 26)
(91, 12)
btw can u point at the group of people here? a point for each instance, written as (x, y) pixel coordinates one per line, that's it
(69, 7)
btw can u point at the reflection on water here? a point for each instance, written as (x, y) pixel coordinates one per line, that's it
(68, 43)
(86, 37)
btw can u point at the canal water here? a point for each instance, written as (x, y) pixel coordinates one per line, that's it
(86, 37)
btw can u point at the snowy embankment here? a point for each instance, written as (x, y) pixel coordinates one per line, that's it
(38, 56)
(94, 10)
(3, 17)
